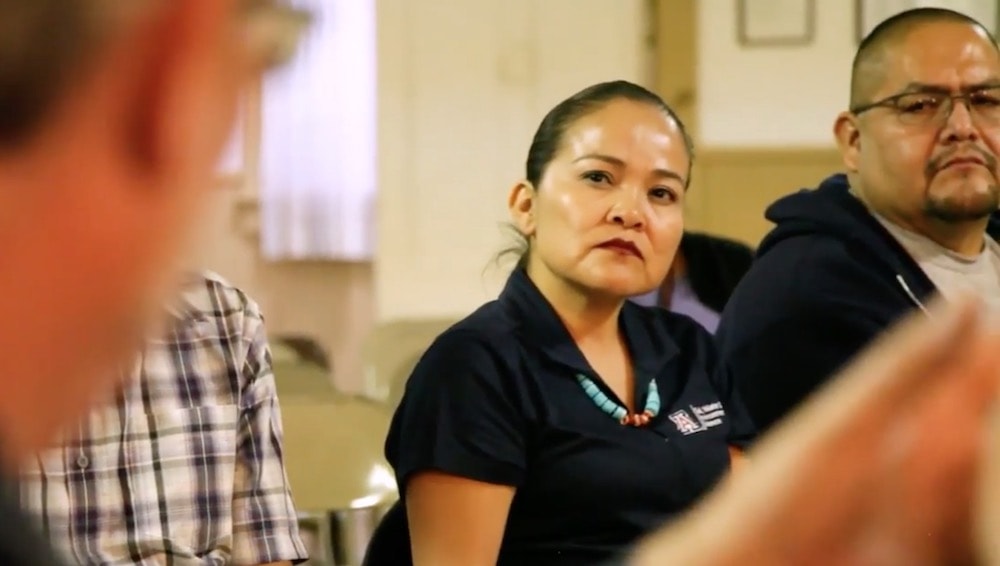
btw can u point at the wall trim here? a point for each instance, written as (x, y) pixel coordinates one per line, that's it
(732, 186)
(722, 154)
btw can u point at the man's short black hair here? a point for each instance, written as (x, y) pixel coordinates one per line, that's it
(886, 33)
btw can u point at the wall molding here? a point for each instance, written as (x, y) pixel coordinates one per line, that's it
(734, 154)
(731, 187)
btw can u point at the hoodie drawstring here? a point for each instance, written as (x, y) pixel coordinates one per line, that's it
(912, 296)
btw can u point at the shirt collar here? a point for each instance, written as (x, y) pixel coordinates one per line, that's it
(183, 305)
(649, 343)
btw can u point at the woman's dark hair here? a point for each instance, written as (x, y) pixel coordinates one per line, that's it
(549, 135)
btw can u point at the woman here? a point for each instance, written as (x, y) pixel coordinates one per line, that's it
(560, 422)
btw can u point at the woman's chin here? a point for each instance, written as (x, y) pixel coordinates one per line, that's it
(621, 286)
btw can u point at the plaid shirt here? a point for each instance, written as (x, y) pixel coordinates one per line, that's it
(186, 466)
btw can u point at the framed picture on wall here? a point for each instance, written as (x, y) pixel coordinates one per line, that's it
(766, 23)
(868, 13)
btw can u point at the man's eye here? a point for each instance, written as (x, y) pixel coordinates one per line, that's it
(916, 105)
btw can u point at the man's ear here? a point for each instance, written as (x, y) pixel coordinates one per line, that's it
(521, 204)
(173, 82)
(848, 136)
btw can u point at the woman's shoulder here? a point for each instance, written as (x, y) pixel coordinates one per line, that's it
(483, 340)
(489, 326)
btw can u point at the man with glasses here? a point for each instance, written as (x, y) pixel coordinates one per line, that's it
(914, 215)
(112, 118)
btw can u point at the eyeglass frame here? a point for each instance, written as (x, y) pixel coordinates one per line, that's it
(891, 102)
(281, 28)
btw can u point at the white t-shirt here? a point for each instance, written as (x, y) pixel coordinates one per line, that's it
(952, 272)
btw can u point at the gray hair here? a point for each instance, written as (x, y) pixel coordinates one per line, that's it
(43, 44)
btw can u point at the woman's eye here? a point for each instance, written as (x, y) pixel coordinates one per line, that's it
(597, 177)
(661, 193)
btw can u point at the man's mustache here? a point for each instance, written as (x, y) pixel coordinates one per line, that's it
(940, 162)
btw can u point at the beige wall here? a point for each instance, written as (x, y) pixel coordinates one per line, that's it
(331, 301)
(777, 97)
(787, 96)
(462, 86)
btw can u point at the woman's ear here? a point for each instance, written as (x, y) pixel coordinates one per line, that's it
(521, 204)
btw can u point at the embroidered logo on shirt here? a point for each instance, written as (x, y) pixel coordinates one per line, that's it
(705, 417)
(685, 424)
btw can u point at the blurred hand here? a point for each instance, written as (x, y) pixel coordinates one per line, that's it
(988, 501)
(879, 468)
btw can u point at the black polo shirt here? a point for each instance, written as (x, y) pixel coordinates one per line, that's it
(496, 399)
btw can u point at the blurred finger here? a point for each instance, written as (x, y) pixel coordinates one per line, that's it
(821, 453)
(929, 457)
(987, 503)
(811, 476)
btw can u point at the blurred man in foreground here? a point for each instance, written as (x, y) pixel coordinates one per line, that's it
(111, 117)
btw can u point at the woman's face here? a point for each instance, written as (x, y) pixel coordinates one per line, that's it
(607, 216)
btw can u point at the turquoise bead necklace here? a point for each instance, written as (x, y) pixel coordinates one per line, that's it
(616, 411)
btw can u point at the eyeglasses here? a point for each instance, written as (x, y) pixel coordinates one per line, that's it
(929, 107)
(273, 30)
